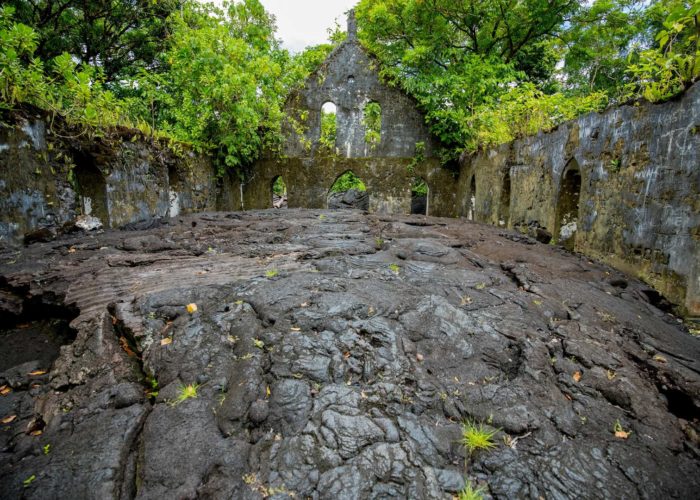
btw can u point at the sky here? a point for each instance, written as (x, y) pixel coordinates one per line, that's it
(301, 23)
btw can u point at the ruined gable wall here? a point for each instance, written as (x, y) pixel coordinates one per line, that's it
(349, 79)
(639, 208)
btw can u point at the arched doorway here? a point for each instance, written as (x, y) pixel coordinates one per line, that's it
(348, 191)
(419, 196)
(329, 129)
(504, 218)
(91, 187)
(568, 205)
(174, 191)
(471, 215)
(279, 193)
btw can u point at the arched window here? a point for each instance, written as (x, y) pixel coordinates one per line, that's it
(419, 197)
(372, 121)
(348, 191)
(329, 127)
(568, 204)
(91, 186)
(174, 191)
(279, 193)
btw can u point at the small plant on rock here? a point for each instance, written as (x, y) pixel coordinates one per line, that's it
(477, 436)
(186, 392)
(272, 273)
(470, 493)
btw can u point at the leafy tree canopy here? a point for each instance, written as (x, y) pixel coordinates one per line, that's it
(118, 36)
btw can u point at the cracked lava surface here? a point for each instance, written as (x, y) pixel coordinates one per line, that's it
(335, 354)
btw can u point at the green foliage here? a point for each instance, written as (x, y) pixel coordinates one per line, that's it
(457, 57)
(120, 37)
(372, 122)
(27, 482)
(602, 37)
(477, 437)
(271, 273)
(664, 71)
(279, 187)
(419, 187)
(525, 110)
(346, 182)
(470, 493)
(223, 82)
(61, 86)
(328, 132)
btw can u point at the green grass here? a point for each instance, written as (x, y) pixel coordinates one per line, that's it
(271, 273)
(186, 392)
(394, 268)
(477, 437)
(470, 493)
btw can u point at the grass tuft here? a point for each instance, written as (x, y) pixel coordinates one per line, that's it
(470, 493)
(186, 392)
(477, 437)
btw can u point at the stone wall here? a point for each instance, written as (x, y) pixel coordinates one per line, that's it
(48, 177)
(638, 203)
(349, 79)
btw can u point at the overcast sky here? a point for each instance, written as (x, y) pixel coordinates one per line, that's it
(305, 22)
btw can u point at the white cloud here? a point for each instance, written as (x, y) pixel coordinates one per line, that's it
(301, 23)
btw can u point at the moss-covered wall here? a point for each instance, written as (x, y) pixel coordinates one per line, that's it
(639, 205)
(48, 178)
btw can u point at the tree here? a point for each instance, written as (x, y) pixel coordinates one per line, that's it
(455, 57)
(119, 37)
(602, 38)
(222, 84)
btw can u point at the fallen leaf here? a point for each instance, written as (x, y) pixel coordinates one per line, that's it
(567, 397)
(166, 341)
(346, 354)
(23, 326)
(622, 434)
(305, 304)
(36, 373)
(577, 376)
(8, 419)
(37, 432)
(296, 329)
(363, 395)
(192, 308)
(659, 358)
(71, 250)
(267, 391)
(125, 346)
(4, 390)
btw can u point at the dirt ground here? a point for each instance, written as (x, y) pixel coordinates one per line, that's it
(335, 354)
